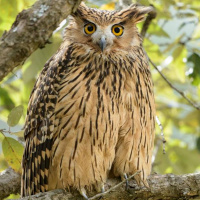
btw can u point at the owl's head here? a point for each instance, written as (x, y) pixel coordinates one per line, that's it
(106, 31)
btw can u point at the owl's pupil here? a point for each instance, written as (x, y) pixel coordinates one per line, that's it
(90, 28)
(117, 30)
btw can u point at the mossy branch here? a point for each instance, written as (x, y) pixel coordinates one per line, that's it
(31, 30)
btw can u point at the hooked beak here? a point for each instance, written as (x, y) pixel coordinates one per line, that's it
(102, 43)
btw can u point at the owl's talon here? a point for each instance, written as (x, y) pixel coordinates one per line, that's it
(83, 193)
(100, 187)
(126, 178)
(103, 189)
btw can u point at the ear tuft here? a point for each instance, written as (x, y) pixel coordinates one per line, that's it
(80, 10)
(135, 12)
(141, 12)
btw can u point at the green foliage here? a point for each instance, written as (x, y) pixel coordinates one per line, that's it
(198, 144)
(9, 10)
(12, 149)
(13, 152)
(5, 99)
(195, 74)
(15, 115)
(173, 44)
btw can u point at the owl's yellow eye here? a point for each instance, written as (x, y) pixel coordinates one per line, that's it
(117, 30)
(89, 28)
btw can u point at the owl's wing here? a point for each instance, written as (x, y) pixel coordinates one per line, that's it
(40, 127)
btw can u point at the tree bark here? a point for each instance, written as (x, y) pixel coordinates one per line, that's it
(9, 183)
(165, 187)
(31, 30)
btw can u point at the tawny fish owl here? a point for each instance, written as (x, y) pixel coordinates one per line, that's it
(92, 109)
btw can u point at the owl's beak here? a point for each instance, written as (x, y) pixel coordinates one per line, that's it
(102, 43)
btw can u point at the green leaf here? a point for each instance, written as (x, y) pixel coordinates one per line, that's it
(19, 133)
(195, 59)
(198, 143)
(15, 115)
(177, 51)
(172, 45)
(13, 152)
(156, 30)
(6, 100)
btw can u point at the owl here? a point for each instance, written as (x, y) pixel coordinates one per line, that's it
(91, 112)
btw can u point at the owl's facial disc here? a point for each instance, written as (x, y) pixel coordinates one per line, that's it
(89, 29)
(103, 36)
(116, 30)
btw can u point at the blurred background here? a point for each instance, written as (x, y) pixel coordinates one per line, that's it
(172, 43)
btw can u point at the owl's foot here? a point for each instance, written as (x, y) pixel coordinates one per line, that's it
(83, 193)
(100, 187)
(125, 177)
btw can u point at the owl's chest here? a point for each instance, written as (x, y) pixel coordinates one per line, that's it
(99, 95)
(104, 86)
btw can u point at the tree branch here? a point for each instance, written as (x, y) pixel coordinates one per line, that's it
(31, 30)
(150, 17)
(147, 22)
(165, 187)
(114, 187)
(9, 183)
(173, 87)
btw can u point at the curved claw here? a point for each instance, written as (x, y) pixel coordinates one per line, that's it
(83, 193)
(126, 178)
(100, 187)
(103, 189)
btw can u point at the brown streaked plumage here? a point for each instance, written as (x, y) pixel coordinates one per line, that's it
(92, 108)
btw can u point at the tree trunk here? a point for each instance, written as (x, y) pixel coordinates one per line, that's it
(31, 30)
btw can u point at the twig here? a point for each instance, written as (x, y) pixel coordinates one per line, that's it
(155, 151)
(114, 187)
(145, 27)
(152, 15)
(177, 90)
(162, 134)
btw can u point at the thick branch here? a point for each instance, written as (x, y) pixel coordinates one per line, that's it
(9, 183)
(31, 30)
(165, 187)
